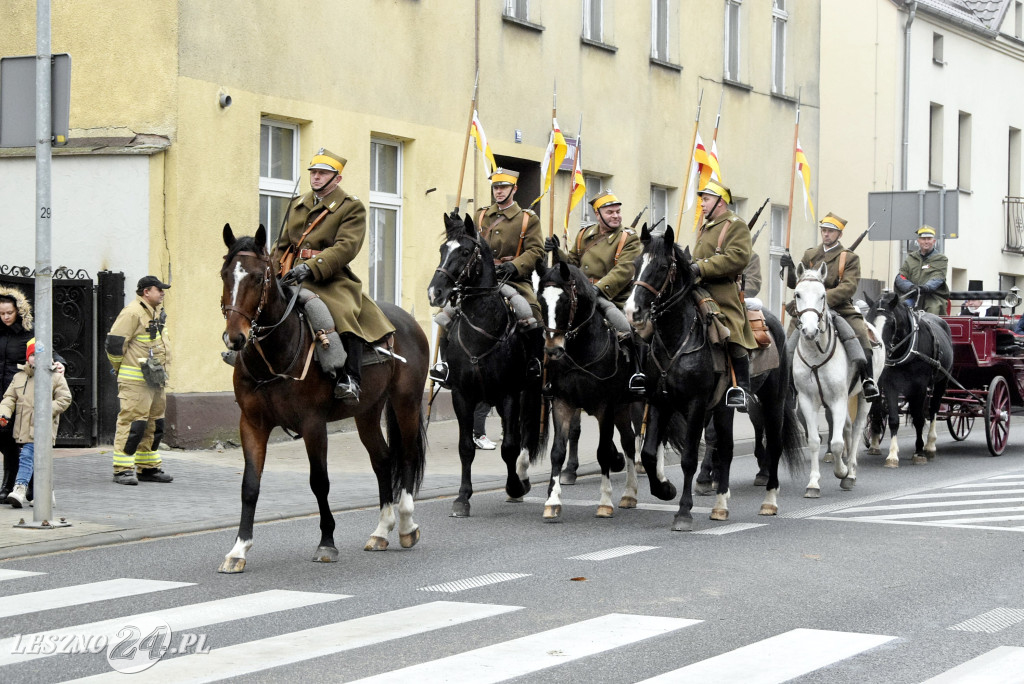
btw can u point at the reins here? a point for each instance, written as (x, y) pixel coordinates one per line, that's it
(910, 339)
(571, 333)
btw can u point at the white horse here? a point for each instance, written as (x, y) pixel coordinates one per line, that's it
(823, 375)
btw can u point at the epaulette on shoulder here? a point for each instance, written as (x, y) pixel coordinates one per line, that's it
(531, 212)
(630, 231)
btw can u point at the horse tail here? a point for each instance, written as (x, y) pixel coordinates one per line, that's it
(545, 423)
(529, 423)
(794, 432)
(675, 435)
(401, 454)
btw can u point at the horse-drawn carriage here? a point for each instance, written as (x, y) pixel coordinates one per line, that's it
(988, 370)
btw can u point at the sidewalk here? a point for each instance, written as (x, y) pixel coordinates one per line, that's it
(206, 491)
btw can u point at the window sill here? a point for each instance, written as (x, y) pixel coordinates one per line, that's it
(965, 191)
(522, 23)
(784, 97)
(667, 65)
(938, 62)
(598, 44)
(936, 184)
(737, 84)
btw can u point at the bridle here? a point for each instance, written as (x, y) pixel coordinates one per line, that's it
(256, 331)
(825, 327)
(459, 280)
(910, 339)
(568, 332)
(657, 307)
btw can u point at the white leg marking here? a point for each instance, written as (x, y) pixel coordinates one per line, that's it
(606, 491)
(522, 464)
(386, 522)
(555, 499)
(406, 505)
(893, 459)
(660, 472)
(632, 486)
(240, 548)
(930, 444)
(722, 501)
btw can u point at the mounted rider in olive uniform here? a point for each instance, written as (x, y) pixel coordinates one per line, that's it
(926, 269)
(841, 283)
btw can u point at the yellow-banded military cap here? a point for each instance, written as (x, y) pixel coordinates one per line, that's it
(604, 198)
(504, 177)
(328, 161)
(926, 231)
(717, 189)
(832, 221)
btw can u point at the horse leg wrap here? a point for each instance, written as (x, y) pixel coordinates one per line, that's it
(158, 434)
(613, 315)
(521, 308)
(135, 432)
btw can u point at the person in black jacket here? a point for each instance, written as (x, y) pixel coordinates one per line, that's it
(15, 332)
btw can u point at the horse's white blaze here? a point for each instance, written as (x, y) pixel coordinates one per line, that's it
(386, 521)
(432, 292)
(606, 491)
(555, 498)
(237, 276)
(550, 295)
(405, 509)
(240, 548)
(630, 308)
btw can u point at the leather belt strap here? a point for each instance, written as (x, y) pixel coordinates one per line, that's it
(308, 253)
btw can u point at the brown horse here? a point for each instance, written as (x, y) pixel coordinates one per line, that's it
(276, 384)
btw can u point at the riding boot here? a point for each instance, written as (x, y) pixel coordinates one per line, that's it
(347, 388)
(439, 371)
(738, 396)
(638, 381)
(867, 379)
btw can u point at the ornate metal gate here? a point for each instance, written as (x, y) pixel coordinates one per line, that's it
(74, 338)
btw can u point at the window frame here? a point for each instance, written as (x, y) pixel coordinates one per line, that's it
(731, 41)
(517, 9)
(386, 201)
(779, 16)
(654, 206)
(278, 187)
(655, 32)
(963, 151)
(935, 123)
(778, 219)
(595, 183)
(588, 19)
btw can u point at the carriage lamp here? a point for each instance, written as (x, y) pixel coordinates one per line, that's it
(1013, 298)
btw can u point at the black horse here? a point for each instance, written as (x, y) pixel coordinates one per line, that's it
(587, 369)
(487, 357)
(684, 386)
(918, 358)
(277, 385)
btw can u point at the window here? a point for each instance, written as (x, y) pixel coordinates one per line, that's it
(518, 9)
(659, 207)
(660, 30)
(385, 220)
(779, 18)
(593, 20)
(937, 49)
(1013, 162)
(935, 145)
(732, 40)
(595, 184)
(279, 172)
(777, 247)
(1018, 20)
(963, 176)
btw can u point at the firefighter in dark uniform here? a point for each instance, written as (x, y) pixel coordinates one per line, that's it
(325, 229)
(840, 285)
(515, 238)
(719, 263)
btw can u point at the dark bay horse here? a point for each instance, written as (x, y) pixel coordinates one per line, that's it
(487, 358)
(586, 369)
(684, 387)
(918, 357)
(277, 384)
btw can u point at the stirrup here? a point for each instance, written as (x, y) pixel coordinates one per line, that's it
(869, 389)
(637, 383)
(533, 368)
(736, 398)
(439, 373)
(347, 390)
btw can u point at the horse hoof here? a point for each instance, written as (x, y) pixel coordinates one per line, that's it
(930, 455)
(567, 478)
(828, 458)
(847, 483)
(553, 513)
(682, 524)
(409, 540)
(919, 459)
(760, 480)
(513, 499)
(526, 486)
(460, 509)
(892, 462)
(640, 470)
(874, 452)
(605, 512)
(703, 488)
(812, 493)
(328, 554)
(232, 566)
(719, 514)
(667, 491)
(768, 509)
(627, 502)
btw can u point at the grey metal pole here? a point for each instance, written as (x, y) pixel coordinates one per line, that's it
(43, 429)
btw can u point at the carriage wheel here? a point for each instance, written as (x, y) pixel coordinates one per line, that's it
(997, 415)
(960, 421)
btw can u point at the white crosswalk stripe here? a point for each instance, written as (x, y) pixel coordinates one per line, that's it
(179, 618)
(1002, 665)
(16, 574)
(36, 601)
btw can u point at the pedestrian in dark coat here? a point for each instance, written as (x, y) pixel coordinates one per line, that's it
(15, 332)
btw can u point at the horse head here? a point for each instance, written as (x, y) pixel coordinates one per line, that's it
(811, 301)
(248, 284)
(662, 270)
(466, 261)
(567, 299)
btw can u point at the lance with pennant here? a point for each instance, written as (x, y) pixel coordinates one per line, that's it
(693, 141)
(792, 183)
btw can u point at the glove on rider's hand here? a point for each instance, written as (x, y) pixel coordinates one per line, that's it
(3, 421)
(786, 261)
(695, 270)
(297, 275)
(505, 271)
(550, 244)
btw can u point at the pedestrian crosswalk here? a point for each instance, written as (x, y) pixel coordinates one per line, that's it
(995, 503)
(511, 651)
